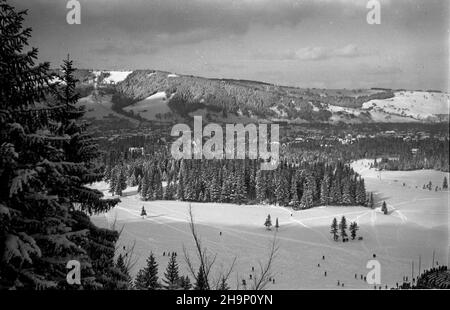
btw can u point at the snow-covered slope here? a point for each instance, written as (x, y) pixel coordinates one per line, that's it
(405, 106)
(100, 108)
(414, 104)
(416, 226)
(267, 101)
(152, 107)
(113, 77)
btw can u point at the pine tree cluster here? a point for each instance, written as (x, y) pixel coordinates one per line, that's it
(243, 182)
(147, 278)
(340, 230)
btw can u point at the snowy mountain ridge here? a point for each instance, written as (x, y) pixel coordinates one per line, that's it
(164, 96)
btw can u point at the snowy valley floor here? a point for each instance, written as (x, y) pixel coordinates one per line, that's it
(416, 226)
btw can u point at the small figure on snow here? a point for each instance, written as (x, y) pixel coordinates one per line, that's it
(143, 212)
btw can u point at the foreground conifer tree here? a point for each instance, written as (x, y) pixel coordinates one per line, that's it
(201, 283)
(46, 162)
(171, 276)
(147, 277)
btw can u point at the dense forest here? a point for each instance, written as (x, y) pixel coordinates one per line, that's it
(397, 154)
(301, 186)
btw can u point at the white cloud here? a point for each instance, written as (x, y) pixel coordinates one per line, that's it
(311, 53)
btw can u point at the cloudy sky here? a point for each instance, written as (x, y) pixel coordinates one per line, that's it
(306, 43)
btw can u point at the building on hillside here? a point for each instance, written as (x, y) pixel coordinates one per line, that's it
(138, 150)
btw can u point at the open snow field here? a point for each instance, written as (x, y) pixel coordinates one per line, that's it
(100, 108)
(416, 226)
(151, 106)
(414, 104)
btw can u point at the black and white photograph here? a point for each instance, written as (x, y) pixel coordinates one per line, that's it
(239, 146)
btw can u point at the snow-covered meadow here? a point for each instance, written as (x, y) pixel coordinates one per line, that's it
(415, 104)
(151, 106)
(416, 226)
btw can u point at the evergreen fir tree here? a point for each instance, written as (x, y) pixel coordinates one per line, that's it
(334, 229)
(336, 194)
(171, 275)
(113, 180)
(215, 189)
(241, 192)
(324, 190)
(147, 278)
(295, 202)
(180, 187)
(346, 195)
(201, 282)
(190, 193)
(133, 180)
(307, 199)
(169, 192)
(121, 184)
(353, 229)
(260, 187)
(360, 192)
(313, 185)
(185, 283)
(226, 189)
(343, 227)
(120, 264)
(281, 190)
(107, 173)
(139, 182)
(47, 162)
(150, 193)
(238, 193)
(157, 185)
(145, 184)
